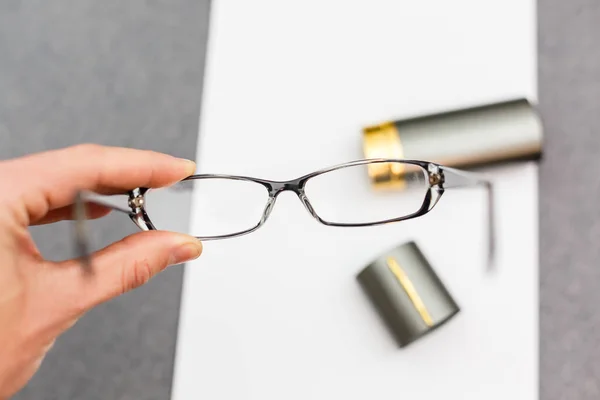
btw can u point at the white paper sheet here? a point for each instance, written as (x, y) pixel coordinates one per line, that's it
(278, 314)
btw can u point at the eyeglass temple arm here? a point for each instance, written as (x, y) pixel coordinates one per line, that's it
(81, 238)
(103, 200)
(454, 178)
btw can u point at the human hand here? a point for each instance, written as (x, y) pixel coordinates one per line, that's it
(40, 299)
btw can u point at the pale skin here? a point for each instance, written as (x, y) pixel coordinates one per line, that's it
(41, 299)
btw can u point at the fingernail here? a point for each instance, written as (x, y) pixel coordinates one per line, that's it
(186, 252)
(191, 165)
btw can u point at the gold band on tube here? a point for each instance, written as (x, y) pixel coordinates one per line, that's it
(383, 141)
(410, 290)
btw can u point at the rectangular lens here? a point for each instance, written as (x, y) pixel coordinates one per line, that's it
(222, 206)
(348, 195)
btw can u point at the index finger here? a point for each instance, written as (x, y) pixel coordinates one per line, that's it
(50, 180)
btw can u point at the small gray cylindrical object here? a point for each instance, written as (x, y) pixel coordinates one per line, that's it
(407, 293)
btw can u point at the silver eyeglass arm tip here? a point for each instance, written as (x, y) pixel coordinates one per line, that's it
(454, 178)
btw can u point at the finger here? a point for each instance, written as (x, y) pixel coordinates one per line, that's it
(49, 180)
(93, 211)
(122, 267)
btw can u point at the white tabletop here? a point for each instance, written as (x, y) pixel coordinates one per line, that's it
(278, 314)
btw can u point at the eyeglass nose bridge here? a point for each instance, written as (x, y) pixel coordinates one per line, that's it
(276, 188)
(296, 186)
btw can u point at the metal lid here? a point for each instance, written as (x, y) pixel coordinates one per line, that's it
(407, 293)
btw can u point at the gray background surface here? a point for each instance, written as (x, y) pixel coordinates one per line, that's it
(115, 72)
(129, 73)
(569, 89)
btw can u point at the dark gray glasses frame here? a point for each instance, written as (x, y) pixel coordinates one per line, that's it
(439, 178)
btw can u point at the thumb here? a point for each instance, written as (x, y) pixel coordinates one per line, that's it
(123, 266)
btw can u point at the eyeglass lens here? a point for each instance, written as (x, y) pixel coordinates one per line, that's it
(347, 195)
(221, 206)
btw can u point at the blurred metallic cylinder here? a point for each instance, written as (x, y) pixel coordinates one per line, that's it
(471, 137)
(407, 293)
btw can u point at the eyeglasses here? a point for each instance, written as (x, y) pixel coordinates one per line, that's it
(354, 194)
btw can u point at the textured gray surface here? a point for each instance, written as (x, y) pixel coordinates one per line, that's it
(569, 68)
(115, 72)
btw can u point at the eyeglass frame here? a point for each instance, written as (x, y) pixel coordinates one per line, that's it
(440, 178)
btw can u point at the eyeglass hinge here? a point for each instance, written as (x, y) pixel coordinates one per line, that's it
(436, 176)
(136, 200)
